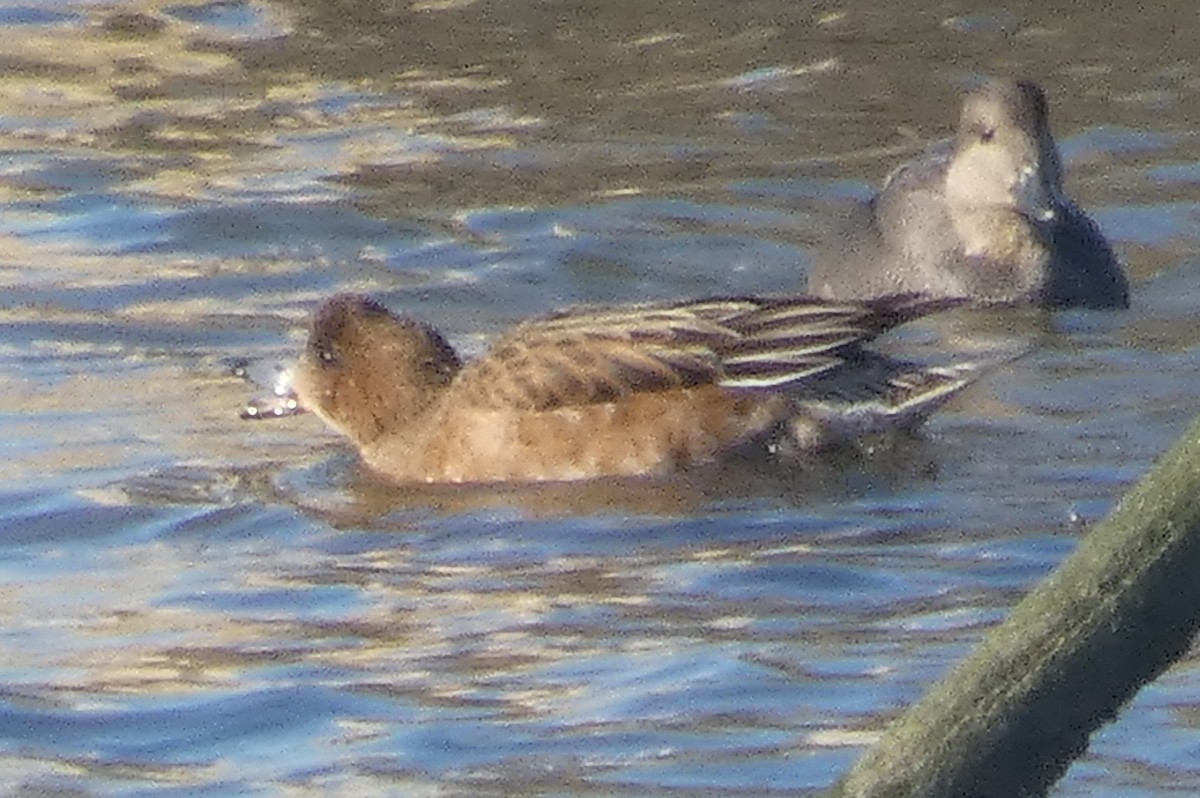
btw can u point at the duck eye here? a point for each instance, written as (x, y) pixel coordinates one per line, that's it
(324, 354)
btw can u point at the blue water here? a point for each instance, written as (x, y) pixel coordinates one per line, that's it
(197, 605)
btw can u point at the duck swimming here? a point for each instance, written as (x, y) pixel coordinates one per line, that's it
(981, 216)
(612, 391)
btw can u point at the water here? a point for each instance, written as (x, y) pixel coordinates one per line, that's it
(197, 605)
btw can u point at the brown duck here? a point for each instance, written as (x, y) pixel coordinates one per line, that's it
(590, 392)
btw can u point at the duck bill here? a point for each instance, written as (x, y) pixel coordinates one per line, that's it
(272, 406)
(283, 401)
(1034, 196)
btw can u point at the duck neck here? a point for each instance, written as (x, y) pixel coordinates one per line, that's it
(1006, 254)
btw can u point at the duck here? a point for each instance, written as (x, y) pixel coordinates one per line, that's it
(612, 391)
(982, 216)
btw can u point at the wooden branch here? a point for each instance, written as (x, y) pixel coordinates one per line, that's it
(1009, 721)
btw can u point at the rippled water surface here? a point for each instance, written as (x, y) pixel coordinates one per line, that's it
(197, 605)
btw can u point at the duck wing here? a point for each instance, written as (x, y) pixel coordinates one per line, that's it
(587, 356)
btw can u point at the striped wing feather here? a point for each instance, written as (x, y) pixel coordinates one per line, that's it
(586, 356)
